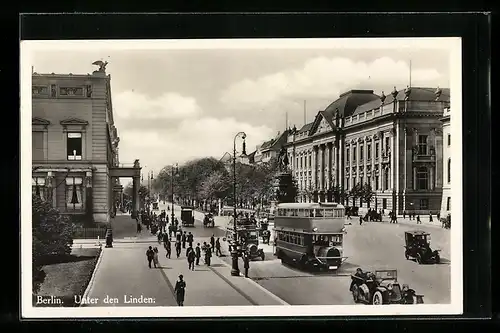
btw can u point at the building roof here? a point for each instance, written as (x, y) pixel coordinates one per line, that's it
(226, 157)
(305, 128)
(349, 101)
(251, 157)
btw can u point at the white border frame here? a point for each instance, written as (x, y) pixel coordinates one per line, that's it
(453, 44)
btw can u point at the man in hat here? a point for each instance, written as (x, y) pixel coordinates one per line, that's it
(180, 290)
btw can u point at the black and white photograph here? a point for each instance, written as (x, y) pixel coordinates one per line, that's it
(241, 177)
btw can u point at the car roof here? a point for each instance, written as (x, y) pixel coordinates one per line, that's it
(417, 232)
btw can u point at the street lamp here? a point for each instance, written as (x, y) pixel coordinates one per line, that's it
(174, 169)
(235, 271)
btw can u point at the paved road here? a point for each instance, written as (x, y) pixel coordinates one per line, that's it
(369, 246)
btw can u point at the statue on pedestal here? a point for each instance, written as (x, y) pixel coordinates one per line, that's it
(283, 160)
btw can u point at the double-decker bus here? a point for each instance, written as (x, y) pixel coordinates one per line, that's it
(310, 235)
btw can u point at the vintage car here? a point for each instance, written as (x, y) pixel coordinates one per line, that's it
(187, 217)
(382, 287)
(418, 247)
(209, 221)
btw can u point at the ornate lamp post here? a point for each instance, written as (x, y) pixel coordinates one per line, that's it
(175, 170)
(235, 271)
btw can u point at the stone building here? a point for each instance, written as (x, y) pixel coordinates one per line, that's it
(393, 143)
(75, 162)
(446, 201)
(269, 149)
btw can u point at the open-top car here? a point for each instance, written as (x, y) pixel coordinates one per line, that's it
(417, 246)
(209, 221)
(381, 287)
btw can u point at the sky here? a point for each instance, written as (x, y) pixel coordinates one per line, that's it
(173, 105)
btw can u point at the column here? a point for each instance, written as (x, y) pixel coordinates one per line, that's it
(329, 166)
(414, 178)
(135, 194)
(322, 168)
(50, 188)
(371, 141)
(88, 192)
(314, 167)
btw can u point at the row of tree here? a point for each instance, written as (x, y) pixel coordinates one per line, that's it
(208, 180)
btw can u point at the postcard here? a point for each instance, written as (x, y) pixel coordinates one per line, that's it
(242, 177)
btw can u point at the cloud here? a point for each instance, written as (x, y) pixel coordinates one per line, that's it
(322, 78)
(192, 138)
(171, 105)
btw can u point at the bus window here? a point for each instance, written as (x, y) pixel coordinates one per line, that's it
(301, 213)
(294, 212)
(319, 213)
(328, 212)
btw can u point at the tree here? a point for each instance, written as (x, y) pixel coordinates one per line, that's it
(52, 235)
(367, 193)
(355, 193)
(286, 190)
(215, 186)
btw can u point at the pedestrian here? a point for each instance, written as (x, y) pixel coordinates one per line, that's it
(246, 263)
(191, 256)
(178, 236)
(360, 220)
(208, 255)
(438, 215)
(139, 228)
(155, 258)
(178, 248)
(418, 219)
(430, 217)
(160, 237)
(190, 239)
(184, 239)
(218, 251)
(198, 254)
(212, 241)
(168, 247)
(180, 290)
(150, 255)
(404, 214)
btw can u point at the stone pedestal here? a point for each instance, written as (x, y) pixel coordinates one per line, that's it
(285, 188)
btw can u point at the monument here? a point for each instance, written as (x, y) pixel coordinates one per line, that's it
(285, 185)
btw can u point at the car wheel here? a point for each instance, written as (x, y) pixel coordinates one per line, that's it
(419, 258)
(438, 259)
(377, 298)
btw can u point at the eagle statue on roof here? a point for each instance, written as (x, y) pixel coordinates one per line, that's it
(102, 65)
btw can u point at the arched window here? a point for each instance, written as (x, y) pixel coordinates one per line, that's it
(449, 170)
(422, 178)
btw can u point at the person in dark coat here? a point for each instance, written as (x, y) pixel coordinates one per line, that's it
(198, 254)
(430, 217)
(190, 239)
(418, 219)
(218, 251)
(180, 290)
(208, 255)
(168, 247)
(139, 228)
(360, 220)
(184, 239)
(246, 263)
(150, 255)
(178, 248)
(212, 241)
(191, 256)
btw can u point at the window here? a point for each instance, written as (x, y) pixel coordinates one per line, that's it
(376, 182)
(354, 154)
(384, 203)
(449, 140)
(377, 148)
(347, 183)
(37, 146)
(74, 146)
(361, 179)
(361, 151)
(422, 144)
(38, 187)
(422, 178)
(310, 162)
(348, 158)
(448, 203)
(319, 213)
(74, 194)
(328, 212)
(296, 162)
(449, 170)
(302, 161)
(387, 143)
(424, 204)
(369, 151)
(386, 179)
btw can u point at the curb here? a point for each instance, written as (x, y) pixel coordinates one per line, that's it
(92, 278)
(276, 298)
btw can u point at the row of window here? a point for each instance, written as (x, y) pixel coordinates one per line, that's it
(318, 212)
(74, 146)
(73, 187)
(291, 237)
(298, 239)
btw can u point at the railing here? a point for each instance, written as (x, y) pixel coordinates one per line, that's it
(424, 158)
(89, 233)
(124, 165)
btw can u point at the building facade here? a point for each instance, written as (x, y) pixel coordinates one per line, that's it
(392, 143)
(75, 163)
(446, 201)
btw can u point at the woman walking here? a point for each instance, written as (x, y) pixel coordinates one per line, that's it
(155, 257)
